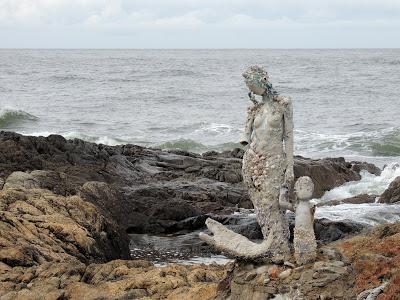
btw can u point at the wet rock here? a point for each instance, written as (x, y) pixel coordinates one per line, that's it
(244, 224)
(392, 193)
(359, 199)
(147, 190)
(328, 173)
(189, 224)
(364, 166)
(329, 231)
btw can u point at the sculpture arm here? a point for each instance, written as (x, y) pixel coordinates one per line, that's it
(246, 138)
(288, 139)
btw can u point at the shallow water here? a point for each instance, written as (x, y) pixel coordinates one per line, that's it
(174, 248)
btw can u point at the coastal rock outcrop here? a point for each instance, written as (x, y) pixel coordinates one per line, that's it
(65, 207)
(147, 190)
(361, 267)
(38, 226)
(118, 279)
(392, 193)
(375, 258)
(56, 247)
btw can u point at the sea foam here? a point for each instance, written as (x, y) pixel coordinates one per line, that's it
(369, 184)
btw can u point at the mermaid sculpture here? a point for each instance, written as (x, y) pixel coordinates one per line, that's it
(267, 173)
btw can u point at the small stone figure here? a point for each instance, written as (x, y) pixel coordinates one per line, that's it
(305, 246)
(267, 173)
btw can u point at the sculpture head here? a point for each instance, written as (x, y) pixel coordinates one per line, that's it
(304, 188)
(256, 79)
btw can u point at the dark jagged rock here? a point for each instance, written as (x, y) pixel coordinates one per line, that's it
(147, 190)
(364, 166)
(392, 193)
(328, 173)
(328, 231)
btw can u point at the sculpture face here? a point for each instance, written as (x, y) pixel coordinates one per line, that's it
(304, 188)
(256, 78)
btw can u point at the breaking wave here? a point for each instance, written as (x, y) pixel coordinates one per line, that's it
(384, 142)
(10, 117)
(387, 145)
(105, 140)
(369, 184)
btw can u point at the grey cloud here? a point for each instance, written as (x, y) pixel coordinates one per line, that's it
(208, 23)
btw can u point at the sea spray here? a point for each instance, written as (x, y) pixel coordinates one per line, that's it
(366, 213)
(369, 184)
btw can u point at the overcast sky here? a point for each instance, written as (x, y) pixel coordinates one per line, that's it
(199, 23)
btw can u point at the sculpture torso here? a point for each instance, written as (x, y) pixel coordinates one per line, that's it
(267, 134)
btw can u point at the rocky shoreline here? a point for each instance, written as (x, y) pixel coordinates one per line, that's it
(67, 207)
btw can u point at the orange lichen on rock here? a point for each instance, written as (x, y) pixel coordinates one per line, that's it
(273, 272)
(392, 291)
(375, 257)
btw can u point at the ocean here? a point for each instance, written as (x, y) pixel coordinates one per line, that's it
(346, 102)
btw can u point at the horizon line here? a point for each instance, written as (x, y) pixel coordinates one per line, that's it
(211, 48)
